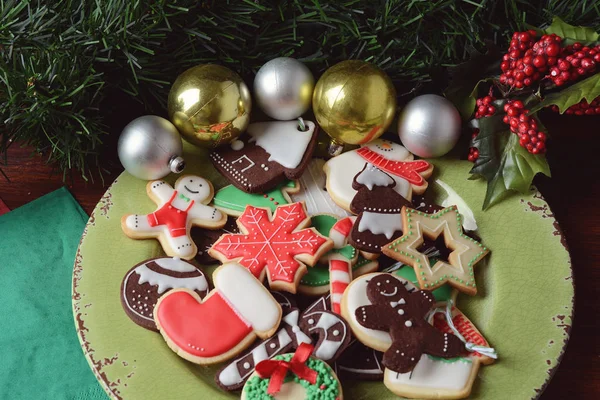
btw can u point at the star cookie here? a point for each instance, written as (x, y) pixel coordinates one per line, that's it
(465, 251)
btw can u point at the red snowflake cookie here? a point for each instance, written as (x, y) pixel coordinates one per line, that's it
(278, 244)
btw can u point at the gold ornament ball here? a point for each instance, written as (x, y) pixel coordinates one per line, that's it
(354, 102)
(210, 105)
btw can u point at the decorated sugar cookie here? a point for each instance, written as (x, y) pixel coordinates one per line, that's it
(313, 191)
(222, 325)
(378, 207)
(317, 325)
(441, 378)
(293, 376)
(403, 314)
(178, 210)
(389, 157)
(276, 246)
(331, 333)
(147, 281)
(233, 201)
(341, 263)
(465, 251)
(275, 151)
(289, 336)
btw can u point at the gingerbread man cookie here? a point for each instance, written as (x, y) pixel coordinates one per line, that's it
(222, 325)
(178, 209)
(276, 246)
(402, 314)
(410, 176)
(465, 251)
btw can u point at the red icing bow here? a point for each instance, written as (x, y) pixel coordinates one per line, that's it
(278, 369)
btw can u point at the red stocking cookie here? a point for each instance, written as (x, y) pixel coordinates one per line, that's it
(226, 322)
(178, 209)
(277, 244)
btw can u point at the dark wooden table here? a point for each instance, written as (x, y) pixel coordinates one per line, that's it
(573, 193)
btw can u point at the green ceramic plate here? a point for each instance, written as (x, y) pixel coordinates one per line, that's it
(524, 306)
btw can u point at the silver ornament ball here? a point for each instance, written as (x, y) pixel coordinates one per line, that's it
(283, 88)
(150, 148)
(429, 126)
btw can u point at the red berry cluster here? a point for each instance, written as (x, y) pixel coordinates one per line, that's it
(484, 108)
(583, 108)
(574, 62)
(525, 127)
(526, 61)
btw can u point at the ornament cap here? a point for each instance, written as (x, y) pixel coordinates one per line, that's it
(177, 164)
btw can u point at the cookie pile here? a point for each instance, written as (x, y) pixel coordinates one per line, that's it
(298, 300)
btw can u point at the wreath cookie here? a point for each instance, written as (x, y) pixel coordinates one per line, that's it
(293, 376)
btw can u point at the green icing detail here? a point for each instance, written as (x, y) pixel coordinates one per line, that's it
(450, 360)
(323, 223)
(443, 293)
(256, 387)
(347, 252)
(232, 198)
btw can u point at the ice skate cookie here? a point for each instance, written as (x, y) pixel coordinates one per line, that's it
(275, 151)
(147, 281)
(226, 322)
(276, 246)
(178, 210)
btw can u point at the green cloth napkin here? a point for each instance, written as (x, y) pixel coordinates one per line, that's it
(40, 353)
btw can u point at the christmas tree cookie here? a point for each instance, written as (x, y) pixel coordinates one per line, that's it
(378, 207)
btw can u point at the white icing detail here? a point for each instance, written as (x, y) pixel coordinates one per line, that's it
(175, 264)
(396, 303)
(285, 144)
(408, 324)
(311, 321)
(400, 311)
(339, 276)
(237, 145)
(372, 176)
(230, 374)
(389, 294)
(246, 365)
(357, 297)
(377, 223)
(244, 157)
(327, 349)
(165, 282)
(336, 332)
(454, 199)
(313, 193)
(248, 296)
(435, 374)
(292, 320)
(342, 169)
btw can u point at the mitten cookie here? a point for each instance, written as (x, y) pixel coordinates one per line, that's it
(178, 210)
(233, 201)
(147, 281)
(222, 325)
(276, 150)
(277, 246)
(390, 157)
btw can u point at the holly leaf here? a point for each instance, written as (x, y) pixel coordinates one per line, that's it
(504, 164)
(588, 89)
(466, 77)
(572, 33)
